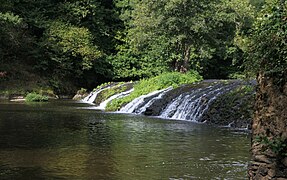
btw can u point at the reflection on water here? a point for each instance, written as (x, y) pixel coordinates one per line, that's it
(62, 140)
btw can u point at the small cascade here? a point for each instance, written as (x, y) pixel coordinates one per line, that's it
(93, 95)
(151, 101)
(120, 95)
(192, 105)
(140, 101)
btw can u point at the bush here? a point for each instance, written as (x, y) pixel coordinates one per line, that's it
(162, 81)
(34, 97)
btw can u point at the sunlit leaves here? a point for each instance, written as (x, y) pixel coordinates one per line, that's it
(74, 42)
(10, 18)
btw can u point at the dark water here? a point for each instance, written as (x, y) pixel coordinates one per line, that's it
(63, 140)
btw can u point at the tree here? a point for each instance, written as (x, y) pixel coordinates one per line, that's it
(181, 35)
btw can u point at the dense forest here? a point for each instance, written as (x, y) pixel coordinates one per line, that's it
(64, 45)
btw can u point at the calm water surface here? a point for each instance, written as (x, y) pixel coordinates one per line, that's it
(67, 140)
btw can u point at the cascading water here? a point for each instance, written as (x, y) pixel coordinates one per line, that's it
(93, 95)
(150, 102)
(120, 95)
(140, 101)
(191, 105)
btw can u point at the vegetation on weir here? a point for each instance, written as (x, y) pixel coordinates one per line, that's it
(162, 81)
(115, 88)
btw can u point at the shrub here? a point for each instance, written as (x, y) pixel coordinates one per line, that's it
(34, 97)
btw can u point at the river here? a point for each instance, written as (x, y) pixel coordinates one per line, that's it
(68, 140)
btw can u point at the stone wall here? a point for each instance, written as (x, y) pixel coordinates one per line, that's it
(269, 159)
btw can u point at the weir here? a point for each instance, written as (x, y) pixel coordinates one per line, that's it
(188, 104)
(191, 105)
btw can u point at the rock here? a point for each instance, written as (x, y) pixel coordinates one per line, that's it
(262, 158)
(258, 177)
(4, 97)
(79, 96)
(65, 97)
(284, 161)
(263, 171)
(148, 112)
(271, 173)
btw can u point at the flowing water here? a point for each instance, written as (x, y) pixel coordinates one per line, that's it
(191, 105)
(140, 101)
(103, 104)
(67, 140)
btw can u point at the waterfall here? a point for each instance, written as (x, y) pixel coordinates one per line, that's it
(140, 101)
(93, 95)
(120, 95)
(192, 105)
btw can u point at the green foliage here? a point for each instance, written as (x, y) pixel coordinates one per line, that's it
(237, 75)
(67, 44)
(267, 47)
(145, 86)
(62, 41)
(84, 43)
(101, 86)
(276, 145)
(112, 91)
(34, 97)
(243, 90)
(128, 65)
(10, 18)
(82, 91)
(181, 35)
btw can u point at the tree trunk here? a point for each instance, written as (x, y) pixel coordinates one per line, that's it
(186, 60)
(183, 64)
(269, 161)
